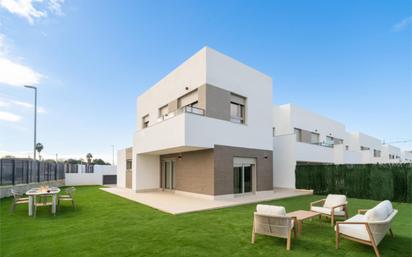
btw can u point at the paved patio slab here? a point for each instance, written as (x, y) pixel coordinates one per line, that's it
(176, 203)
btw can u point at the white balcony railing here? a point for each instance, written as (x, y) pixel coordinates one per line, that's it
(184, 109)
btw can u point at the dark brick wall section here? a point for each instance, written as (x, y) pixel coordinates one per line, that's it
(194, 171)
(223, 166)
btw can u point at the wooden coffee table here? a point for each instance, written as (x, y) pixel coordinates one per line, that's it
(302, 215)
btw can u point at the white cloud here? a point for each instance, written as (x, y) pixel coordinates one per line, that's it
(33, 9)
(7, 102)
(20, 103)
(23, 8)
(55, 6)
(403, 24)
(16, 74)
(4, 103)
(3, 49)
(8, 116)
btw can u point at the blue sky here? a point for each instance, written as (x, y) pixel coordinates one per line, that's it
(348, 60)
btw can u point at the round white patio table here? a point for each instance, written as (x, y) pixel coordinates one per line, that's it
(32, 193)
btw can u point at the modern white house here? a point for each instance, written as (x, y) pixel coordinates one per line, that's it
(209, 128)
(302, 137)
(205, 129)
(406, 156)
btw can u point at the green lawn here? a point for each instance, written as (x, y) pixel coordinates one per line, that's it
(107, 225)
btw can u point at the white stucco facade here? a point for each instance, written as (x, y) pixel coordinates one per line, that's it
(349, 148)
(182, 131)
(406, 156)
(121, 168)
(293, 134)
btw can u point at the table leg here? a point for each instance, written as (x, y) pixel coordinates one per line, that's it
(30, 205)
(300, 227)
(54, 204)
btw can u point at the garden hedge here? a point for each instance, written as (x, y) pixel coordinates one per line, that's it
(370, 181)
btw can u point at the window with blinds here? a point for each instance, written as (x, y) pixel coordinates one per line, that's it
(163, 111)
(145, 121)
(298, 134)
(188, 99)
(237, 108)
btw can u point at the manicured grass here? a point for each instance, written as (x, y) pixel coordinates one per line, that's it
(107, 225)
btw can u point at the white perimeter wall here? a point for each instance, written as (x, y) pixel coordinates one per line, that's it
(96, 178)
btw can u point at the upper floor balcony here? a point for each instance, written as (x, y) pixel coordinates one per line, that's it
(308, 152)
(184, 109)
(188, 129)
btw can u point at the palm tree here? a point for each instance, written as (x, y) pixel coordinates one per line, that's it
(89, 157)
(39, 148)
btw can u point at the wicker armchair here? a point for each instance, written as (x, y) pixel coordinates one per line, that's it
(368, 226)
(333, 206)
(68, 196)
(17, 199)
(272, 221)
(41, 201)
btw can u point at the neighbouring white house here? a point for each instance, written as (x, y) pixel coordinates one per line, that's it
(301, 137)
(406, 156)
(209, 128)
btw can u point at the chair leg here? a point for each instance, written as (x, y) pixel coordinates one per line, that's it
(332, 220)
(337, 237)
(35, 211)
(375, 248)
(253, 233)
(74, 205)
(391, 232)
(288, 241)
(13, 207)
(295, 235)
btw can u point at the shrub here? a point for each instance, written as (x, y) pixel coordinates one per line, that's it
(371, 181)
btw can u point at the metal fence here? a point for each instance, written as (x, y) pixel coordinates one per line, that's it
(24, 171)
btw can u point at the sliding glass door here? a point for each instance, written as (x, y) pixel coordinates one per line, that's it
(242, 175)
(168, 174)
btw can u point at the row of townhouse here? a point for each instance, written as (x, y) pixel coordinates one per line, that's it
(209, 128)
(302, 137)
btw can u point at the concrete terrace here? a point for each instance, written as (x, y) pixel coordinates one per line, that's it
(177, 203)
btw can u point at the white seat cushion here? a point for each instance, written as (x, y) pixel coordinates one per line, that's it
(327, 210)
(334, 200)
(270, 210)
(355, 230)
(380, 212)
